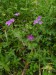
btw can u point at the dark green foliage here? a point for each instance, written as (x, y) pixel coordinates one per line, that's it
(18, 55)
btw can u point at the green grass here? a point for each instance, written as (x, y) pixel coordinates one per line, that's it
(18, 54)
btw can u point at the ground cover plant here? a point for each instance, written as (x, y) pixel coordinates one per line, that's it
(27, 37)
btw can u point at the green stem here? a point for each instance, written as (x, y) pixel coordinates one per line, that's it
(39, 62)
(39, 68)
(6, 36)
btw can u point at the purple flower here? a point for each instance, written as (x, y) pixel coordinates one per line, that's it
(38, 20)
(17, 14)
(9, 22)
(30, 37)
(12, 20)
(35, 22)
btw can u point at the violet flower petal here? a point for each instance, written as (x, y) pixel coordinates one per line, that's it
(30, 37)
(12, 20)
(35, 22)
(9, 22)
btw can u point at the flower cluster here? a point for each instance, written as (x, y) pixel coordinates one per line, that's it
(38, 20)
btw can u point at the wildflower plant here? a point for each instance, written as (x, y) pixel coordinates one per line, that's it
(28, 37)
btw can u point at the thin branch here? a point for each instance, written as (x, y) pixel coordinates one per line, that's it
(25, 68)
